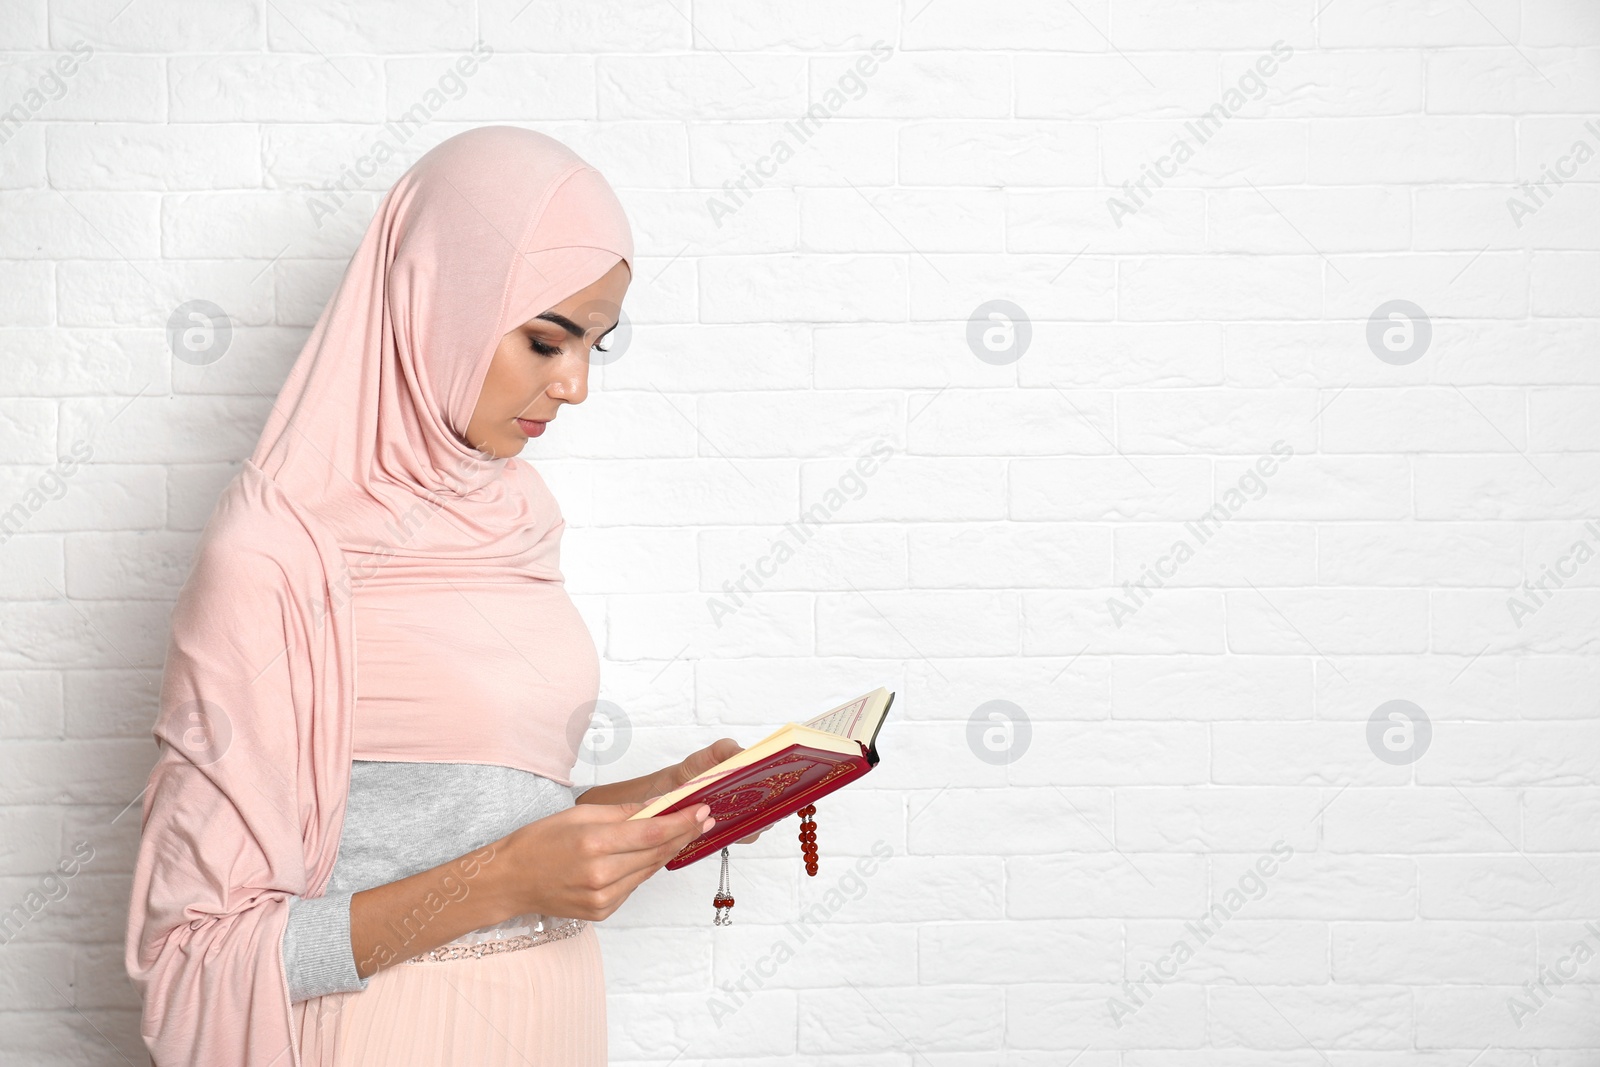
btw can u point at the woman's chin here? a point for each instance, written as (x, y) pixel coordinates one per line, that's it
(502, 448)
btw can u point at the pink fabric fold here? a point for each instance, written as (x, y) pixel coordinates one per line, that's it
(362, 483)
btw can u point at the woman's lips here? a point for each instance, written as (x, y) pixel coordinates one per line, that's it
(531, 428)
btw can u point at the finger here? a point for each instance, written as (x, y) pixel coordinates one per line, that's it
(620, 811)
(624, 811)
(635, 877)
(637, 866)
(645, 835)
(622, 834)
(706, 758)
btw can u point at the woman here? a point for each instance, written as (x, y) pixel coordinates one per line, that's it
(361, 840)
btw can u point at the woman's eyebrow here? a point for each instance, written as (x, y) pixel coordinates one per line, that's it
(567, 324)
(562, 321)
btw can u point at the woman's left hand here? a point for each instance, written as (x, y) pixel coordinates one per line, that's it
(698, 763)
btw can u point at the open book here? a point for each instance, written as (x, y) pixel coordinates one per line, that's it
(777, 776)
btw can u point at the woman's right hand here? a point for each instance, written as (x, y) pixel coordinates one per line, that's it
(582, 863)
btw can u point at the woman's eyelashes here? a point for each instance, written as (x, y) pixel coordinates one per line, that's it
(555, 350)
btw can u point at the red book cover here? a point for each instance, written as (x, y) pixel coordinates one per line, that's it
(796, 766)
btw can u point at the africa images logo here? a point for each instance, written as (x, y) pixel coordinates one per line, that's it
(851, 85)
(1199, 130)
(1252, 485)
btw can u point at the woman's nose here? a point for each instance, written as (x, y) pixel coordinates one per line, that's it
(573, 383)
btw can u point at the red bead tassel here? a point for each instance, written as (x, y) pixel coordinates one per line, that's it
(808, 837)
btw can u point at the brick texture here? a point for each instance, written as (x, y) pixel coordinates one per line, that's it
(1236, 556)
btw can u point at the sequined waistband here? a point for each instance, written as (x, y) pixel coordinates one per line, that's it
(541, 932)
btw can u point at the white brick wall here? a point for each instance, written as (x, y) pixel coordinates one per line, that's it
(1159, 750)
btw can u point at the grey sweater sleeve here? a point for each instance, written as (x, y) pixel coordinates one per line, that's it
(317, 957)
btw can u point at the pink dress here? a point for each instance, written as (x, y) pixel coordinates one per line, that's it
(543, 1005)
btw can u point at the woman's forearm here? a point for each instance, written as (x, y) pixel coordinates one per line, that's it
(393, 922)
(642, 788)
(398, 920)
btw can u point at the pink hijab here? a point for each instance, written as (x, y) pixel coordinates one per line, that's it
(361, 476)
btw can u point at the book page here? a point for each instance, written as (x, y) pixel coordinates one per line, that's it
(842, 719)
(856, 719)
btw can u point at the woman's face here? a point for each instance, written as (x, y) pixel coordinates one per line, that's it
(543, 364)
